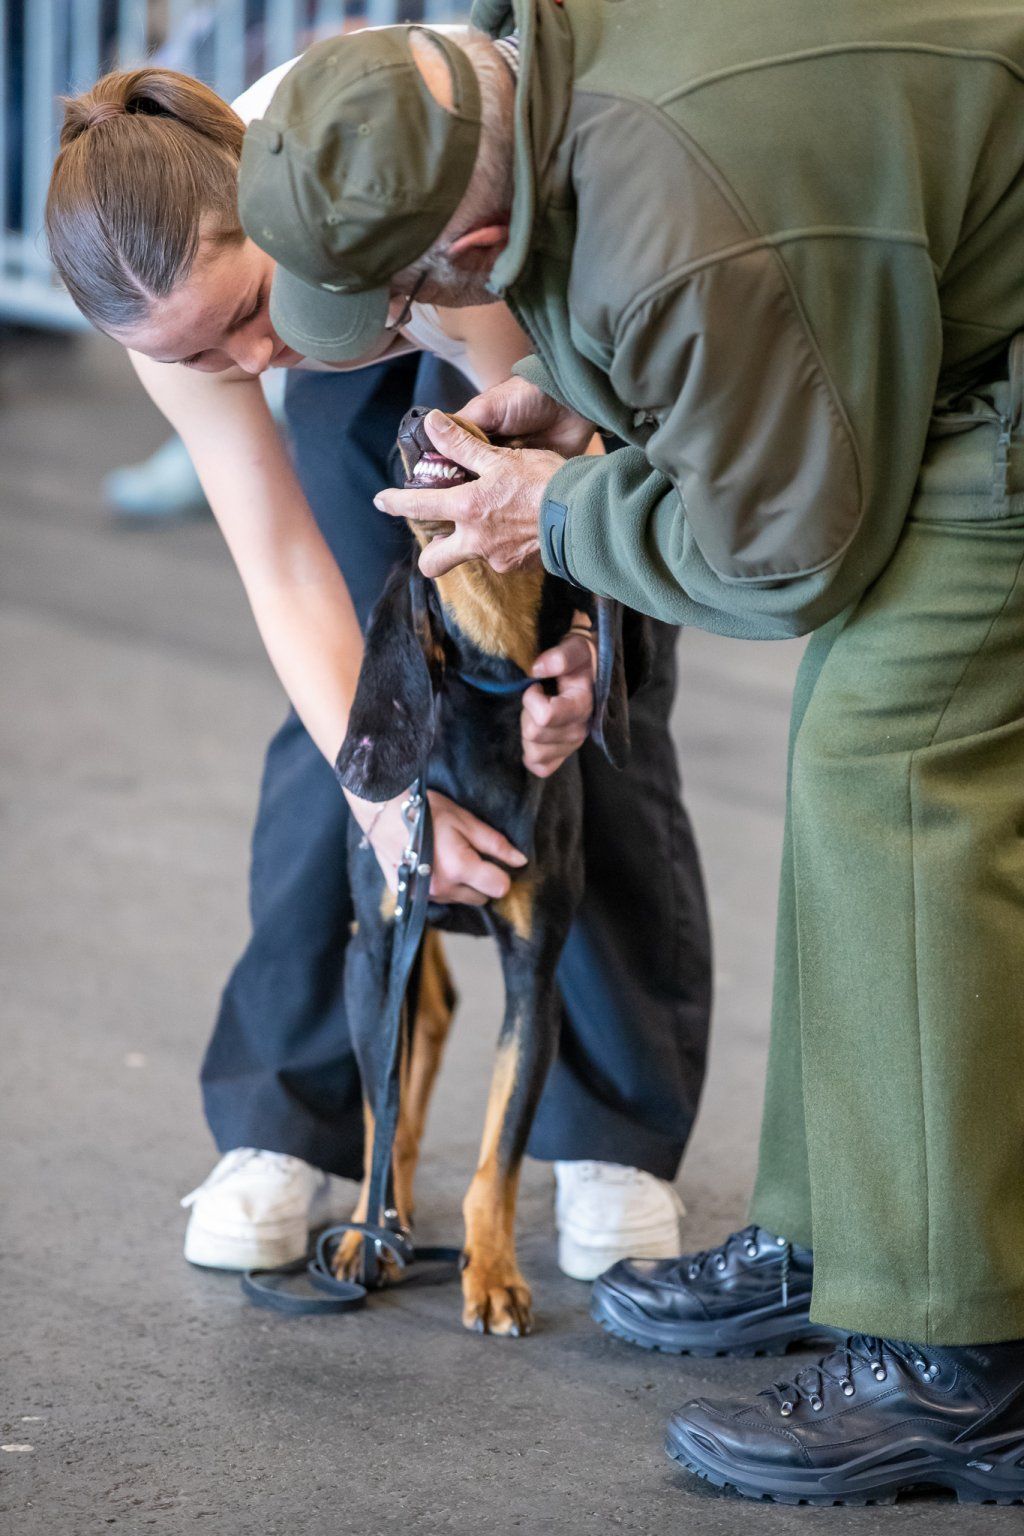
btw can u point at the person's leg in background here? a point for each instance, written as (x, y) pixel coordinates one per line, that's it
(280, 1086)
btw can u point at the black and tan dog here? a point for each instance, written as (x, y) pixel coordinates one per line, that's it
(450, 696)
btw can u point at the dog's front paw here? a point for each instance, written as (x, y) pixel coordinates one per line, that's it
(495, 1299)
(347, 1261)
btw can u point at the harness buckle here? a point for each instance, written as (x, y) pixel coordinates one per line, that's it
(412, 810)
(411, 807)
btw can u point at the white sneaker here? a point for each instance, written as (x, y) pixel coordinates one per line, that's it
(606, 1212)
(256, 1210)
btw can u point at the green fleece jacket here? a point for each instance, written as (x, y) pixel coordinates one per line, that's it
(756, 240)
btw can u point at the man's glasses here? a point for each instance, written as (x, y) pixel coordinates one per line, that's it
(405, 313)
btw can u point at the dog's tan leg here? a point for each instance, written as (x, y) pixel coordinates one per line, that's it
(346, 1260)
(419, 1070)
(529, 929)
(496, 1298)
(434, 1014)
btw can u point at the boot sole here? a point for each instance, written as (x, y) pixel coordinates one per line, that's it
(859, 1483)
(766, 1336)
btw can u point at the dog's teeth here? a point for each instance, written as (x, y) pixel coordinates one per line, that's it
(434, 470)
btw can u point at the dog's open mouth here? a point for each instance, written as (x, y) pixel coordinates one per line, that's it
(425, 468)
(428, 470)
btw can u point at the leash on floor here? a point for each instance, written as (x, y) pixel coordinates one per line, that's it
(383, 1235)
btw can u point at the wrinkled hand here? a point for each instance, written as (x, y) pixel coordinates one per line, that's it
(554, 726)
(496, 517)
(464, 849)
(519, 410)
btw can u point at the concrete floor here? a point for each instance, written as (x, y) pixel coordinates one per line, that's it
(147, 1396)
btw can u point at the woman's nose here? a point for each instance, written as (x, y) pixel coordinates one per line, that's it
(254, 354)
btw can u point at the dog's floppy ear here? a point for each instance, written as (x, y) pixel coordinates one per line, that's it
(623, 666)
(391, 727)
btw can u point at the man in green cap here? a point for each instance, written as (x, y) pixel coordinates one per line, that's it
(777, 250)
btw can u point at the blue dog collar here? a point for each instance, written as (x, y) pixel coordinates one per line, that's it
(493, 686)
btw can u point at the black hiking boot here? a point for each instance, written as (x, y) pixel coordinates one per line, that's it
(749, 1296)
(871, 1420)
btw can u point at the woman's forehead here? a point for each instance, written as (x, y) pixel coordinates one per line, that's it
(194, 316)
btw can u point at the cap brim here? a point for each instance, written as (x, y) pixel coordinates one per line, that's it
(332, 327)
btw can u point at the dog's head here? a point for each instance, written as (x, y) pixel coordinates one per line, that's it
(391, 727)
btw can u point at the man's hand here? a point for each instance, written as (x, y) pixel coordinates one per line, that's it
(496, 517)
(554, 726)
(464, 849)
(519, 411)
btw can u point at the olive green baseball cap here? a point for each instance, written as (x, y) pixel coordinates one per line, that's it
(351, 175)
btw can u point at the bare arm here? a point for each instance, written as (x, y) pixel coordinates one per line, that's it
(493, 339)
(298, 596)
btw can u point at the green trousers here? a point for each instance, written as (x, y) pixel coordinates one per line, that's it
(893, 1134)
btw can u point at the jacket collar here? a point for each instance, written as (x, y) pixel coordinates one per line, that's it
(543, 93)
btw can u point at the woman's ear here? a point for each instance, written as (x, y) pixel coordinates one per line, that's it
(391, 726)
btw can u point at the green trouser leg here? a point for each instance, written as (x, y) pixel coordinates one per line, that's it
(782, 1194)
(893, 1137)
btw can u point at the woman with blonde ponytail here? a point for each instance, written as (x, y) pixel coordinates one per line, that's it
(143, 228)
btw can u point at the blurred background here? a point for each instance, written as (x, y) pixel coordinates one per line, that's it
(136, 704)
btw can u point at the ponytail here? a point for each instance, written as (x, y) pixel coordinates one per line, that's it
(148, 163)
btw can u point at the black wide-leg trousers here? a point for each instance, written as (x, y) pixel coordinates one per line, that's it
(279, 1072)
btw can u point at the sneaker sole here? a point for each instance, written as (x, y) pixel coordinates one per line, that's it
(582, 1261)
(766, 1335)
(923, 1467)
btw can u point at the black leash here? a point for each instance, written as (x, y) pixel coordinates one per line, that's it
(383, 1234)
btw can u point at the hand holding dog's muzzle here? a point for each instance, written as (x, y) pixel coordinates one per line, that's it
(495, 517)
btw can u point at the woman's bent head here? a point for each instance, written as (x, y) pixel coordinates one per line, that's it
(148, 164)
(142, 222)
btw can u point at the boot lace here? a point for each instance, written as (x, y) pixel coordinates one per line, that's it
(695, 1265)
(835, 1371)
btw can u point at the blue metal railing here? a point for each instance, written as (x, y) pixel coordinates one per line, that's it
(50, 48)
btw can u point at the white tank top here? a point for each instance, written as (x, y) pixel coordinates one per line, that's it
(423, 331)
